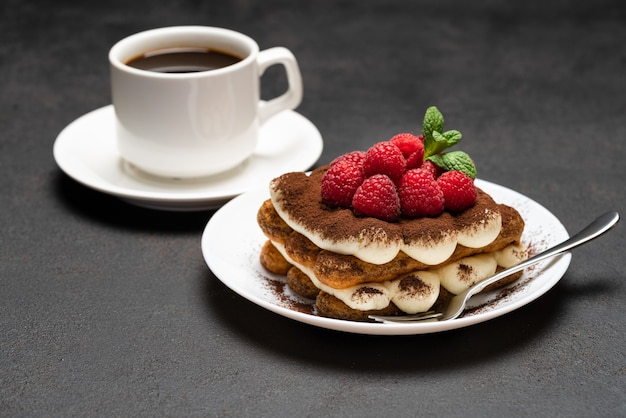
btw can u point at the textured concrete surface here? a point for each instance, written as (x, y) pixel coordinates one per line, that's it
(107, 309)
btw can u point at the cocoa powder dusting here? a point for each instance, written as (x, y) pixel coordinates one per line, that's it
(301, 199)
(414, 286)
(466, 273)
(286, 298)
(363, 293)
(503, 295)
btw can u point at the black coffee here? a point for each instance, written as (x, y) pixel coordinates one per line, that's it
(183, 60)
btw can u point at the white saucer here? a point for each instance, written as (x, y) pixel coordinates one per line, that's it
(86, 151)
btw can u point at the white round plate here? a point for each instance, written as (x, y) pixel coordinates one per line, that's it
(232, 241)
(86, 150)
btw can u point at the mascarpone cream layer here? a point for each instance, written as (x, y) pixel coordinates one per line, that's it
(418, 291)
(375, 244)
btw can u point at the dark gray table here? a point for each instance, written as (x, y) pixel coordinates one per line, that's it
(107, 309)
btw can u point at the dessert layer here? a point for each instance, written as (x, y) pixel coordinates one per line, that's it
(417, 291)
(342, 271)
(431, 241)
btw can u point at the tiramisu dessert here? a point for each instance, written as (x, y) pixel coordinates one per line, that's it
(394, 230)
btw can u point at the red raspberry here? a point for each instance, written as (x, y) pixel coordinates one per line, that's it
(357, 157)
(458, 189)
(408, 143)
(419, 194)
(412, 148)
(432, 168)
(384, 158)
(415, 159)
(377, 197)
(340, 182)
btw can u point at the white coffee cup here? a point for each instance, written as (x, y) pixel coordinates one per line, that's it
(194, 124)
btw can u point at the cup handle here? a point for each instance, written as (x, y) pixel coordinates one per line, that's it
(293, 96)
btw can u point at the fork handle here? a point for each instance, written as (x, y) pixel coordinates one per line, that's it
(596, 228)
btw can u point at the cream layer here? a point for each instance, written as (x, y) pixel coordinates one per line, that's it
(417, 292)
(374, 245)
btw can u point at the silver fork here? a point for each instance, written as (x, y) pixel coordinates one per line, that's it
(458, 302)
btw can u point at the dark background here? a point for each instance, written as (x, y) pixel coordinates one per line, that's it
(107, 309)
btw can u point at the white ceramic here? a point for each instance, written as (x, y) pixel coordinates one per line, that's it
(86, 151)
(201, 123)
(232, 241)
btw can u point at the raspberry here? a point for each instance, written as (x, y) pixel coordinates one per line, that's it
(419, 194)
(432, 168)
(357, 157)
(408, 143)
(377, 197)
(340, 182)
(415, 159)
(412, 148)
(458, 189)
(384, 158)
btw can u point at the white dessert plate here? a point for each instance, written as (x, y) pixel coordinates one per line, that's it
(86, 151)
(232, 241)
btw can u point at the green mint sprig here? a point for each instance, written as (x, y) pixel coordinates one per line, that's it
(436, 141)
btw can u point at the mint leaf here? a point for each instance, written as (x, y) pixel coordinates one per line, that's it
(440, 141)
(455, 160)
(436, 141)
(437, 144)
(432, 127)
(452, 137)
(433, 121)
